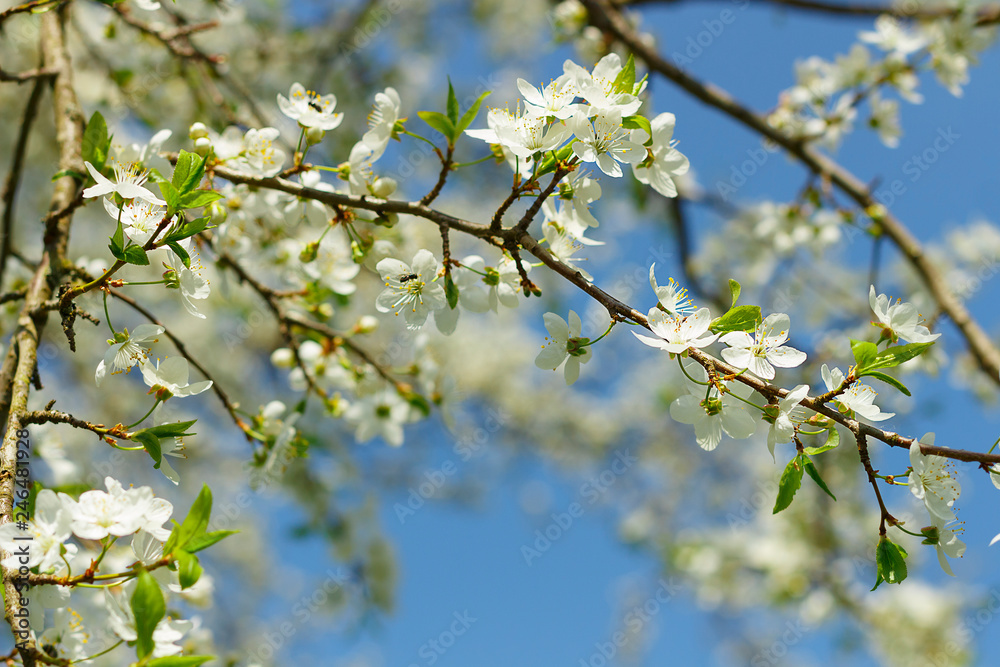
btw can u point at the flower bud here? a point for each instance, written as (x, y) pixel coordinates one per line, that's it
(202, 146)
(282, 358)
(366, 324)
(314, 135)
(217, 212)
(323, 311)
(384, 187)
(197, 131)
(309, 253)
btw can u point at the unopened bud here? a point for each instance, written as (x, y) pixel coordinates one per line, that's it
(282, 358)
(309, 253)
(202, 146)
(217, 213)
(384, 187)
(366, 324)
(197, 131)
(314, 135)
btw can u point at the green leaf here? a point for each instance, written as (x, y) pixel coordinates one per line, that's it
(864, 353)
(151, 443)
(148, 607)
(550, 159)
(894, 356)
(452, 104)
(739, 318)
(451, 291)
(188, 568)
(734, 290)
(639, 123)
(181, 252)
(890, 562)
(470, 115)
(195, 523)
(170, 195)
(625, 81)
(889, 380)
(199, 198)
(439, 122)
(832, 440)
(814, 473)
(188, 172)
(171, 430)
(180, 661)
(187, 229)
(790, 482)
(96, 141)
(205, 540)
(118, 243)
(136, 255)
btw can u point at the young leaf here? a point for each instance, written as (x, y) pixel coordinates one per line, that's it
(171, 430)
(205, 540)
(188, 173)
(738, 318)
(199, 198)
(625, 81)
(864, 353)
(118, 243)
(470, 115)
(734, 290)
(889, 380)
(639, 123)
(180, 252)
(188, 229)
(832, 440)
(170, 195)
(814, 473)
(148, 607)
(451, 292)
(136, 255)
(894, 356)
(439, 122)
(188, 568)
(790, 482)
(96, 141)
(452, 104)
(194, 524)
(151, 443)
(890, 562)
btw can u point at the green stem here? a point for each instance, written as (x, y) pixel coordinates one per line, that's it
(107, 315)
(684, 370)
(105, 651)
(130, 426)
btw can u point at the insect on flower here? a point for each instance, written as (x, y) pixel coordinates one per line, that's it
(407, 277)
(315, 106)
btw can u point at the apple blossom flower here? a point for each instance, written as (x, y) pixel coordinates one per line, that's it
(581, 191)
(260, 156)
(125, 351)
(947, 543)
(672, 296)
(552, 101)
(139, 218)
(605, 142)
(66, 638)
(899, 320)
(411, 291)
(382, 413)
(890, 36)
(172, 376)
(714, 415)
(598, 88)
(932, 482)
(677, 334)
(121, 619)
(782, 428)
(764, 350)
(507, 283)
(129, 183)
(522, 133)
(564, 344)
(98, 514)
(563, 245)
(664, 162)
(48, 529)
(382, 121)
(188, 280)
(857, 397)
(309, 108)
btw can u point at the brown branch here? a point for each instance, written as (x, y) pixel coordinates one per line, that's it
(25, 7)
(32, 74)
(866, 463)
(14, 175)
(446, 163)
(604, 16)
(179, 344)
